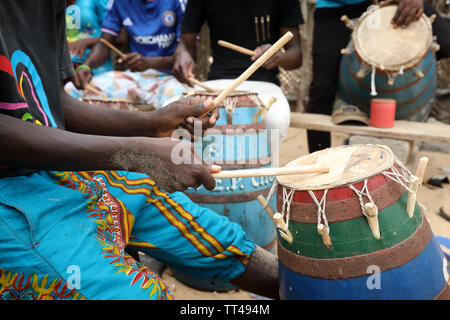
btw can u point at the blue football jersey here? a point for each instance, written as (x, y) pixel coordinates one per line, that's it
(153, 26)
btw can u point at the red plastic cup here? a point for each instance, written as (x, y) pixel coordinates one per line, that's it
(382, 113)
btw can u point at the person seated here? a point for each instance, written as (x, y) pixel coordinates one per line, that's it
(152, 28)
(84, 21)
(255, 25)
(81, 184)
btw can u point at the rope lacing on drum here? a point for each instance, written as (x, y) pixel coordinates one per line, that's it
(373, 89)
(402, 177)
(321, 216)
(230, 103)
(360, 193)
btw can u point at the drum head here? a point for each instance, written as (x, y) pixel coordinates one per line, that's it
(236, 93)
(379, 44)
(348, 164)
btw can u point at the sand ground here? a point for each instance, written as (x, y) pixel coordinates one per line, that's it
(294, 146)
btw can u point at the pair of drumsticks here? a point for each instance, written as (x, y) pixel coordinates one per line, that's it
(224, 93)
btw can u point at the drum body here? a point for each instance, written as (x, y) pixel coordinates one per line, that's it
(405, 262)
(383, 62)
(236, 142)
(110, 103)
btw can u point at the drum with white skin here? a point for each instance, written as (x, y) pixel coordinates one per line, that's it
(386, 62)
(357, 232)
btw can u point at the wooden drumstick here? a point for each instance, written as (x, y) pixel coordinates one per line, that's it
(266, 109)
(247, 73)
(93, 89)
(415, 182)
(113, 48)
(201, 84)
(372, 218)
(267, 172)
(277, 219)
(237, 48)
(269, 105)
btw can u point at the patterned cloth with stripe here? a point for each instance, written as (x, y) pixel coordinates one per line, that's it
(65, 235)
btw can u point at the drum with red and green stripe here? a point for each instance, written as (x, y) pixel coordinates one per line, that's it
(406, 262)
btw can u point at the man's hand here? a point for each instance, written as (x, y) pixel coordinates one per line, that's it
(175, 166)
(135, 62)
(183, 67)
(273, 62)
(182, 114)
(407, 11)
(82, 77)
(79, 47)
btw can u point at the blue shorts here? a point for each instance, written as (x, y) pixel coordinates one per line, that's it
(63, 235)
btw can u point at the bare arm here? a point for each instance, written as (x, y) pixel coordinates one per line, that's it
(184, 56)
(290, 59)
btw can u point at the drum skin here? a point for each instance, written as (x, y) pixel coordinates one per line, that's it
(414, 95)
(405, 263)
(236, 198)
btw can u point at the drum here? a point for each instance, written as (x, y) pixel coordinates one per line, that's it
(115, 103)
(352, 236)
(239, 140)
(383, 62)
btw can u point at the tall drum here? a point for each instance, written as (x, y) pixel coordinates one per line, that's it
(239, 140)
(393, 63)
(353, 237)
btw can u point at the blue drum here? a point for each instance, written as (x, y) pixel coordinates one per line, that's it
(239, 140)
(392, 63)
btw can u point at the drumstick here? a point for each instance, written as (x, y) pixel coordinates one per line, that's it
(201, 84)
(247, 73)
(236, 48)
(267, 172)
(93, 89)
(113, 48)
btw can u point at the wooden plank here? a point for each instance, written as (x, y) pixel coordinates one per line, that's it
(402, 130)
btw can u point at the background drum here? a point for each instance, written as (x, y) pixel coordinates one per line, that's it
(383, 62)
(236, 142)
(353, 237)
(115, 103)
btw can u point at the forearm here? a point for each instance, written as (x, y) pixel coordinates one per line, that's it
(165, 63)
(27, 145)
(187, 46)
(291, 59)
(88, 119)
(100, 53)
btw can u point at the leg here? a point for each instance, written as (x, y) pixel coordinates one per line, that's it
(261, 275)
(441, 29)
(67, 241)
(193, 240)
(330, 36)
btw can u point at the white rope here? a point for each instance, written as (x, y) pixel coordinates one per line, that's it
(286, 208)
(321, 216)
(360, 193)
(372, 82)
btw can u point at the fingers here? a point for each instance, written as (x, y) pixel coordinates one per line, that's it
(385, 3)
(206, 179)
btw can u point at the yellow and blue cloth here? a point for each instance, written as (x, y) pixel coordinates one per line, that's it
(65, 235)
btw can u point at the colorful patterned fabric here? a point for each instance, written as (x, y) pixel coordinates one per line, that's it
(150, 87)
(64, 235)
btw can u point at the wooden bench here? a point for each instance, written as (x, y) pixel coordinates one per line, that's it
(410, 131)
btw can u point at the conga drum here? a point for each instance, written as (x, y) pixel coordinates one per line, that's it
(239, 140)
(114, 103)
(389, 63)
(352, 236)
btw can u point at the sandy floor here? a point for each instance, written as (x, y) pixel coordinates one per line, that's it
(432, 198)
